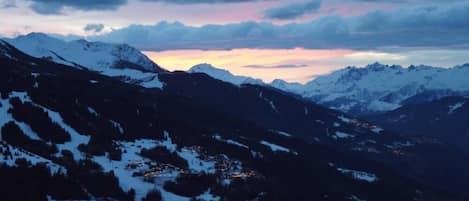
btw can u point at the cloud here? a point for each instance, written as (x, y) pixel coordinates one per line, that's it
(164, 36)
(200, 1)
(94, 28)
(386, 1)
(442, 25)
(292, 11)
(278, 66)
(8, 4)
(54, 7)
(411, 1)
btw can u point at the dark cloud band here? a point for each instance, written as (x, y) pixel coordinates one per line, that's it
(199, 1)
(422, 26)
(292, 11)
(48, 7)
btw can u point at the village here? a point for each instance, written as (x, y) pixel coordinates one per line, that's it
(224, 167)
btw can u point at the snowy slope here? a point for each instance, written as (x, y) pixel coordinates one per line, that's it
(95, 56)
(224, 75)
(378, 87)
(5, 50)
(115, 60)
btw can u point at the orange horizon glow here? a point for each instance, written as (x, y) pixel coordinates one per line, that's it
(310, 62)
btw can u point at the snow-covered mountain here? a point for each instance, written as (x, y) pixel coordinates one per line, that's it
(223, 75)
(94, 56)
(117, 60)
(376, 87)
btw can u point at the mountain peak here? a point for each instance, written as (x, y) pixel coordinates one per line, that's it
(224, 75)
(279, 81)
(376, 66)
(94, 56)
(38, 37)
(209, 69)
(203, 67)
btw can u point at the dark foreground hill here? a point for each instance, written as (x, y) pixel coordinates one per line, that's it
(444, 119)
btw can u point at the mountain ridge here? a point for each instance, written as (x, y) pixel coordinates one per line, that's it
(99, 55)
(116, 60)
(376, 87)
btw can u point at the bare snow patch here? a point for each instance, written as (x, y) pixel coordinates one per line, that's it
(167, 142)
(208, 196)
(271, 103)
(152, 82)
(195, 163)
(344, 119)
(28, 131)
(16, 153)
(282, 133)
(228, 141)
(76, 138)
(377, 130)
(355, 198)
(274, 147)
(319, 121)
(6, 117)
(118, 126)
(145, 79)
(359, 175)
(256, 154)
(339, 134)
(453, 108)
(92, 111)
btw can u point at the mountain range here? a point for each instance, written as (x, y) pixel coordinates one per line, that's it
(375, 88)
(82, 133)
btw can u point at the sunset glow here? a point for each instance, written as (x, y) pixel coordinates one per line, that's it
(259, 63)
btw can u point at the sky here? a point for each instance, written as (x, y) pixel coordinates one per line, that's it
(295, 40)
